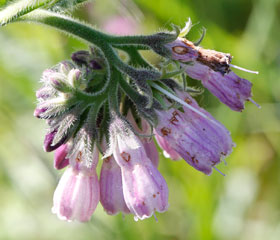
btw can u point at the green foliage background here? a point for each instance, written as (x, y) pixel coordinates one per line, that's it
(244, 205)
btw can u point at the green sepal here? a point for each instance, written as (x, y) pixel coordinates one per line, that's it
(61, 85)
(177, 31)
(166, 75)
(197, 43)
(164, 86)
(158, 96)
(186, 29)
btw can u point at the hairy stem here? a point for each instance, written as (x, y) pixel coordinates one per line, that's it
(67, 25)
(20, 8)
(84, 32)
(135, 57)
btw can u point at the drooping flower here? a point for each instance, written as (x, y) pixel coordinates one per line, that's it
(168, 151)
(213, 69)
(201, 142)
(148, 142)
(151, 150)
(111, 187)
(77, 193)
(145, 190)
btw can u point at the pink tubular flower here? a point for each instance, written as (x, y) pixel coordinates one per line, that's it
(145, 190)
(229, 88)
(60, 160)
(151, 150)
(111, 189)
(148, 143)
(201, 142)
(77, 193)
(168, 151)
(213, 69)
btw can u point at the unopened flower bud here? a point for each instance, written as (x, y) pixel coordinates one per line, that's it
(60, 160)
(81, 57)
(74, 78)
(38, 111)
(85, 58)
(93, 64)
(65, 67)
(46, 75)
(44, 93)
(59, 82)
(49, 141)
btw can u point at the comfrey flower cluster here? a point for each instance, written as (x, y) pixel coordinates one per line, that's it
(96, 104)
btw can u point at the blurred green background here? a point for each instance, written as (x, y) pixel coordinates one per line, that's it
(244, 205)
